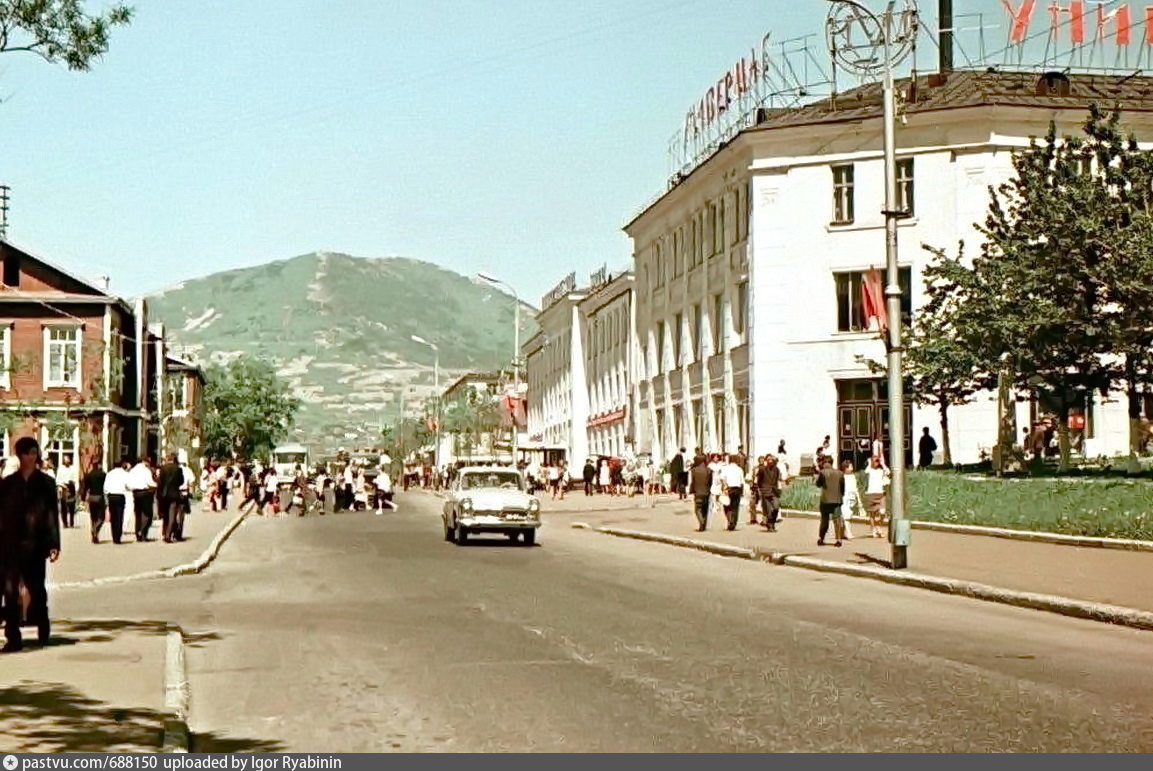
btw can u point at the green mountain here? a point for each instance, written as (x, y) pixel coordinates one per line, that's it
(340, 330)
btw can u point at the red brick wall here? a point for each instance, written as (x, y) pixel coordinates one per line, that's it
(27, 351)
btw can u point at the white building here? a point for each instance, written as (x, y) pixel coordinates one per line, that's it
(607, 316)
(789, 214)
(558, 407)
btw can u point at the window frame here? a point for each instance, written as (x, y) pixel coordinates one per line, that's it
(906, 187)
(47, 442)
(844, 181)
(847, 316)
(49, 343)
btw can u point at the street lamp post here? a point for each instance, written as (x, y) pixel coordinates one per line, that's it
(436, 387)
(853, 22)
(495, 282)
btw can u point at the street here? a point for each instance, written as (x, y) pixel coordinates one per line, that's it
(366, 633)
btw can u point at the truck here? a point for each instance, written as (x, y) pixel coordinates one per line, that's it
(286, 457)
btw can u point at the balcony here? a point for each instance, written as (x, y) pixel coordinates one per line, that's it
(676, 378)
(658, 391)
(740, 357)
(716, 370)
(696, 369)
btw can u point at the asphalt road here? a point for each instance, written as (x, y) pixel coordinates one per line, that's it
(366, 633)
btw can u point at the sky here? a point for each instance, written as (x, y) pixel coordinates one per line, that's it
(506, 136)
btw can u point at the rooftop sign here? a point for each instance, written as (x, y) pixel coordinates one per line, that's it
(566, 286)
(1088, 23)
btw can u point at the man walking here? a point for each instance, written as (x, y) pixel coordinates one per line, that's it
(832, 484)
(93, 492)
(925, 449)
(116, 493)
(677, 471)
(701, 483)
(168, 498)
(590, 476)
(734, 484)
(30, 523)
(768, 483)
(142, 484)
(66, 484)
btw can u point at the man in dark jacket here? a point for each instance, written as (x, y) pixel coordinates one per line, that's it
(700, 484)
(169, 498)
(767, 481)
(92, 488)
(590, 476)
(832, 483)
(29, 535)
(677, 472)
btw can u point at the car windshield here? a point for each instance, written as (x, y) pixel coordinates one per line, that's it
(508, 480)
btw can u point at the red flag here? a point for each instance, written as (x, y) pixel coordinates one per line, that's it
(873, 300)
(512, 412)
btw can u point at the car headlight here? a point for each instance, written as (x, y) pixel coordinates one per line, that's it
(466, 505)
(534, 507)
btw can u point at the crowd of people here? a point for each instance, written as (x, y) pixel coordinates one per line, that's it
(349, 486)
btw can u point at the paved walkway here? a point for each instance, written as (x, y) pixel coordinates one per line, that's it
(82, 560)
(98, 687)
(1097, 575)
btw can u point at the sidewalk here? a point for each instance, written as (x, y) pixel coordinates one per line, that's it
(1095, 575)
(82, 560)
(98, 687)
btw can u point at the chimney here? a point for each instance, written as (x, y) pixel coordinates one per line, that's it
(945, 35)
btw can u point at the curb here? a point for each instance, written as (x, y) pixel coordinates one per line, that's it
(1092, 611)
(207, 557)
(177, 737)
(1085, 541)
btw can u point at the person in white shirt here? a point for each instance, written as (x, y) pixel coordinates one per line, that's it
(733, 478)
(116, 493)
(142, 485)
(66, 484)
(271, 486)
(852, 502)
(383, 492)
(876, 482)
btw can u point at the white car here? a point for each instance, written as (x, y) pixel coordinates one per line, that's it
(490, 500)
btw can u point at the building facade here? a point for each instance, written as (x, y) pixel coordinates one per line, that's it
(78, 366)
(558, 407)
(690, 252)
(607, 317)
(771, 237)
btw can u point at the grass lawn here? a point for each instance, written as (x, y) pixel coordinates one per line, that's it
(1107, 507)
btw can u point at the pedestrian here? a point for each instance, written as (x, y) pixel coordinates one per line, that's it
(832, 484)
(677, 469)
(754, 490)
(224, 482)
(606, 477)
(66, 484)
(589, 476)
(925, 449)
(876, 480)
(701, 488)
(271, 484)
(168, 499)
(30, 524)
(187, 481)
(142, 484)
(327, 497)
(768, 483)
(93, 491)
(734, 485)
(116, 494)
(852, 502)
(383, 491)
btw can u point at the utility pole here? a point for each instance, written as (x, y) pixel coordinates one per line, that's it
(496, 282)
(856, 36)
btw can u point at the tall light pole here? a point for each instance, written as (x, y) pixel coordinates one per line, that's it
(855, 35)
(436, 387)
(496, 282)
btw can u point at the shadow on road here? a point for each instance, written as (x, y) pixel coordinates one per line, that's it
(54, 717)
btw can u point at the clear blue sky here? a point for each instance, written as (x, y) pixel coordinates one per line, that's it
(509, 136)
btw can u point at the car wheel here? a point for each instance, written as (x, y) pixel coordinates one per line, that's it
(529, 537)
(461, 535)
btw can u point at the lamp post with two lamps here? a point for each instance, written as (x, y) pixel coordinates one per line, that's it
(436, 387)
(486, 278)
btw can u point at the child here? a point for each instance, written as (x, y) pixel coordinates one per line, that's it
(851, 505)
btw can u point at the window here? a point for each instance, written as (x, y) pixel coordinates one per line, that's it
(742, 314)
(905, 186)
(719, 417)
(661, 346)
(738, 213)
(62, 357)
(700, 238)
(710, 229)
(59, 441)
(850, 312)
(12, 270)
(658, 267)
(695, 243)
(843, 194)
(699, 422)
(5, 355)
(4, 438)
(678, 255)
(719, 244)
(698, 333)
(719, 336)
(678, 327)
(177, 396)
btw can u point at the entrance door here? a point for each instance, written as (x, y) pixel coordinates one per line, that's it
(862, 416)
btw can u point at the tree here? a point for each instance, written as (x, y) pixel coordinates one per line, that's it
(470, 416)
(248, 409)
(59, 30)
(1034, 306)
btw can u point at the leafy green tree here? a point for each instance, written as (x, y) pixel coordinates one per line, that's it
(406, 436)
(59, 30)
(248, 409)
(470, 416)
